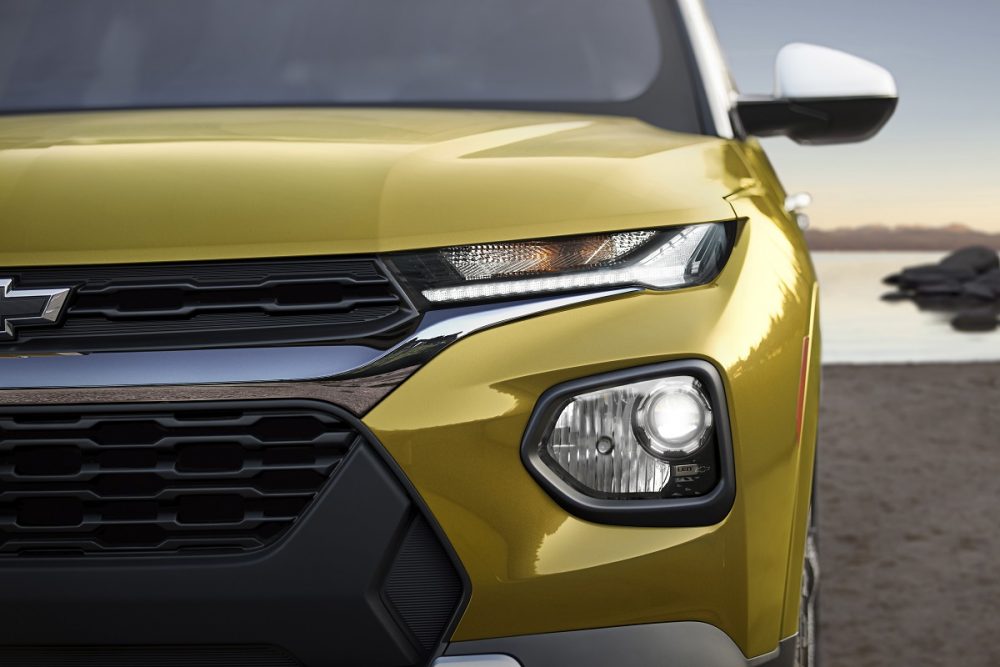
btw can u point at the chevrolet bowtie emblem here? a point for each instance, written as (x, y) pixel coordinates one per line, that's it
(29, 307)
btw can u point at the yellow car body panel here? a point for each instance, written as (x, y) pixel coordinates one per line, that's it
(456, 429)
(106, 187)
(156, 186)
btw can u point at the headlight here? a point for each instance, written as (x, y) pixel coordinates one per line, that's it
(656, 259)
(646, 447)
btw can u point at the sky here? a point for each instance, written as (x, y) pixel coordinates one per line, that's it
(938, 160)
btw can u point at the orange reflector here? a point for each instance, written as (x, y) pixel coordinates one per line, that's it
(803, 379)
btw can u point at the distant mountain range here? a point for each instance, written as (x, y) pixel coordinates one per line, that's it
(880, 237)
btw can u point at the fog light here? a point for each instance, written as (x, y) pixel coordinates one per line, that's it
(621, 442)
(593, 443)
(674, 420)
(648, 446)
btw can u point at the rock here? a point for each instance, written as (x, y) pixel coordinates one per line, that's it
(979, 291)
(960, 283)
(990, 279)
(940, 289)
(992, 274)
(977, 258)
(980, 319)
(932, 274)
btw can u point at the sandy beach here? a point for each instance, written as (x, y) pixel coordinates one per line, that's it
(910, 515)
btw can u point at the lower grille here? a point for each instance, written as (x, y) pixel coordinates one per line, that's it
(360, 577)
(153, 656)
(162, 477)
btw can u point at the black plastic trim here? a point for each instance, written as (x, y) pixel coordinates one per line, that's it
(266, 596)
(418, 501)
(204, 423)
(705, 510)
(708, 125)
(147, 656)
(816, 121)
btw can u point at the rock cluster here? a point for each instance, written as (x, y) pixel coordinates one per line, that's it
(966, 282)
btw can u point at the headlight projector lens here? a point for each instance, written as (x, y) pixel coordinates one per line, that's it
(674, 420)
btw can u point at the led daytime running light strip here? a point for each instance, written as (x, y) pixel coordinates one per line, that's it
(663, 268)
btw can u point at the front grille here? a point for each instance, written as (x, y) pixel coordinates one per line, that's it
(217, 304)
(162, 478)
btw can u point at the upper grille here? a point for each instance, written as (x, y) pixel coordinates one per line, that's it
(217, 304)
(162, 477)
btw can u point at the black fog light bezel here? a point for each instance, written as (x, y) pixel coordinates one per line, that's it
(705, 510)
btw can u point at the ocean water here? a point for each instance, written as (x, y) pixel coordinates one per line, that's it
(859, 328)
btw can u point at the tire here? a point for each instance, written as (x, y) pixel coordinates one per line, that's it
(807, 640)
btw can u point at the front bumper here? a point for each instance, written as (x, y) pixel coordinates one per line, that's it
(687, 644)
(453, 425)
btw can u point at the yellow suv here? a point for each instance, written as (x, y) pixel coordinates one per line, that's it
(371, 333)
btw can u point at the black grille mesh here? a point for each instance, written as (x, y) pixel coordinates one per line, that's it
(217, 304)
(155, 478)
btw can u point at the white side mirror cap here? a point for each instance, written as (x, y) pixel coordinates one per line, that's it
(822, 96)
(807, 71)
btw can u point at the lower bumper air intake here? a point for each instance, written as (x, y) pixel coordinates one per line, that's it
(268, 532)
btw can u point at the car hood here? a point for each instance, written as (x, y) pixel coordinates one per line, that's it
(137, 186)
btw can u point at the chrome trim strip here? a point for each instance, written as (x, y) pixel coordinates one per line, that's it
(477, 661)
(438, 330)
(765, 658)
(356, 396)
(711, 61)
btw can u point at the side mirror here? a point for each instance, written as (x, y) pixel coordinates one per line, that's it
(822, 96)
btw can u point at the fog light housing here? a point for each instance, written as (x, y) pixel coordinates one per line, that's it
(644, 447)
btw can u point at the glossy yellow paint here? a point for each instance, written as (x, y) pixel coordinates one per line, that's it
(456, 427)
(224, 184)
(762, 202)
(145, 186)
